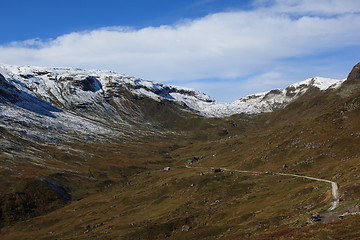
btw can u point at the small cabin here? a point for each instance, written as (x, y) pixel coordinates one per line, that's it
(190, 162)
(167, 168)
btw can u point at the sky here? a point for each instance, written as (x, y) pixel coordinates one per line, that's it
(225, 48)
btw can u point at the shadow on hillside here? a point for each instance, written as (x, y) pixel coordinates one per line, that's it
(12, 95)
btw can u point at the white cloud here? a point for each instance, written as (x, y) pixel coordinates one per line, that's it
(225, 45)
(320, 7)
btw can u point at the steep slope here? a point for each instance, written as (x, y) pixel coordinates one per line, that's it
(86, 102)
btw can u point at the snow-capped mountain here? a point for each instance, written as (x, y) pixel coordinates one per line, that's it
(267, 101)
(89, 103)
(63, 102)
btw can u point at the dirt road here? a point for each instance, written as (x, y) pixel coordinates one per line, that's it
(334, 187)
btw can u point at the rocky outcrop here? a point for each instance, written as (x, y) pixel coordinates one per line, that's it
(354, 75)
(90, 83)
(352, 83)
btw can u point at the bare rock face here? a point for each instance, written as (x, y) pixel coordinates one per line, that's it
(354, 75)
(352, 82)
(90, 83)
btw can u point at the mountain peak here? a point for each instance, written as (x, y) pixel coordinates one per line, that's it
(354, 75)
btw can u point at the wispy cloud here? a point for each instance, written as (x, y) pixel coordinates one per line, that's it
(318, 7)
(227, 45)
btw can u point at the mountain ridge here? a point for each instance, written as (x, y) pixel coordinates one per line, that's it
(59, 85)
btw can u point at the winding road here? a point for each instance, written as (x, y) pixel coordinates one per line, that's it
(334, 187)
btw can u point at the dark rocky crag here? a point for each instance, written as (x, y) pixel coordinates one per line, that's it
(354, 75)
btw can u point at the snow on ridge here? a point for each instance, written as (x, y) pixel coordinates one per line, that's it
(319, 82)
(268, 101)
(172, 92)
(44, 81)
(152, 89)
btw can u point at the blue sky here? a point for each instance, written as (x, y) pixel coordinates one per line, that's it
(23, 20)
(225, 48)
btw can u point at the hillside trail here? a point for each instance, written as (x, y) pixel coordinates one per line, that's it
(335, 200)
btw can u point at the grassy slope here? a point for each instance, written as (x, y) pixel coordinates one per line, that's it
(155, 205)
